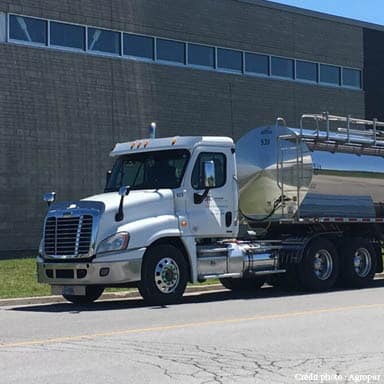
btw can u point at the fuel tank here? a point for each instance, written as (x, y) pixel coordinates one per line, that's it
(291, 173)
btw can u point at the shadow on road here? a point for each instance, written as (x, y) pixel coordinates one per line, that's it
(266, 292)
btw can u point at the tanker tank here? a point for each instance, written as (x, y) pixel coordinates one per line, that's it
(292, 173)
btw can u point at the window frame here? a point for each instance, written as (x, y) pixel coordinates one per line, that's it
(197, 162)
(135, 57)
(251, 73)
(329, 84)
(64, 47)
(230, 70)
(103, 53)
(166, 61)
(201, 66)
(280, 77)
(306, 80)
(26, 42)
(360, 87)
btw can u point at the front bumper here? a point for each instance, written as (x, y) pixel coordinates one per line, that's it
(122, 268)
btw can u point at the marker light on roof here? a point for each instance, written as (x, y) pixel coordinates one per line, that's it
(173, 141)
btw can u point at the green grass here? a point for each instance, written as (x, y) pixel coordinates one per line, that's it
(18, 279)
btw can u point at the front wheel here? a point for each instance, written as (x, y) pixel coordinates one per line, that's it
(319, 267)
(92, 293)
(164, 275)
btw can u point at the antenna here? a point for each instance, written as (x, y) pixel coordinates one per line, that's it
(152, 130)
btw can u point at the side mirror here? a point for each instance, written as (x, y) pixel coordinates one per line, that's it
(123, 191)
(49, 198)
(209, 174)
(209, 181)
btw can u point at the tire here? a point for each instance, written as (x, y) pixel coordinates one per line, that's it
(359, 263)
(164, 275)
(244, 284)
(319, 268)
(92, 293)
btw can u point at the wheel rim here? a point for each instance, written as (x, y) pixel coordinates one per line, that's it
(323, 264)
(362, 262)
(167, 275)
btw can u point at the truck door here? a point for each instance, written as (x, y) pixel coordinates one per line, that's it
(216, 214)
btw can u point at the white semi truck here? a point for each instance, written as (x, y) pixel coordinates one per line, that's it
(307, 202)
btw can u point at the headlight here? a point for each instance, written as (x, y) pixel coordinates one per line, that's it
(113, 243)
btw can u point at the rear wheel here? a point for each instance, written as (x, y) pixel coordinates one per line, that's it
(164, 275)
(92, 293)
(319, 267)
(359, 263)
(242, 284)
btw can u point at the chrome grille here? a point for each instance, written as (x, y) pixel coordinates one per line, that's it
(68, 236)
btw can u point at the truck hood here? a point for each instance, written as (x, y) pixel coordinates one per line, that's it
(137, 205)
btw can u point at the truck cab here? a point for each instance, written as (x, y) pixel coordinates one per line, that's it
(163, 196)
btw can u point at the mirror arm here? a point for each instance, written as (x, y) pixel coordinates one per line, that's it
(198, 199)
(124, 191)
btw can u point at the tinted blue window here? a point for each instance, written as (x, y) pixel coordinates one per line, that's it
(306, 70)
(282, 67)
(201, 55)
(67, 35)
(28, 29)
(229, 59)
(138, 46)
(329, 74)
(257, 63)
(103, 41)
(170, 50)
(352, 77)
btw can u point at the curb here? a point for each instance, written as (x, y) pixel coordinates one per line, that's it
(132, 294)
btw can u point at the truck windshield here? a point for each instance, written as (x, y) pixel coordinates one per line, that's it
(149, 170)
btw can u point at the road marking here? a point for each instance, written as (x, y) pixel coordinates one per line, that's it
(187, 325)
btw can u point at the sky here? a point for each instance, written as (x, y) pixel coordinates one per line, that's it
(371, 11)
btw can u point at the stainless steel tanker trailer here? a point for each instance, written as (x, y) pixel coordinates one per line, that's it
(304, 202)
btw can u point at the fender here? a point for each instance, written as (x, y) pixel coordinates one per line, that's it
(146, 231)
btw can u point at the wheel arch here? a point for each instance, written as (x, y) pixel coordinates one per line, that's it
(177, 243)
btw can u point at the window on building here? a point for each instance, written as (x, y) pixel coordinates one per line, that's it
(219, 160)
(27, 29)
(138, 46)
(282, 67)
(201, 55)
(329, 74)
(352, 78)
(102, 40)
(255, 63)
(230, 59)
(307, 71)
(170, 50)
(67, 35)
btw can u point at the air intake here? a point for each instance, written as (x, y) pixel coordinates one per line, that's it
(68, 236)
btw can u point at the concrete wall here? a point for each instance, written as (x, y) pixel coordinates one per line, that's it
(61, 113)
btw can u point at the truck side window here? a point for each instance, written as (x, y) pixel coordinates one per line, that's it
(220, 169)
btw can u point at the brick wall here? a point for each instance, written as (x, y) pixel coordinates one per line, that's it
(61, 113)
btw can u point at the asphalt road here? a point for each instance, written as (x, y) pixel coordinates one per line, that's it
(267, 337)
